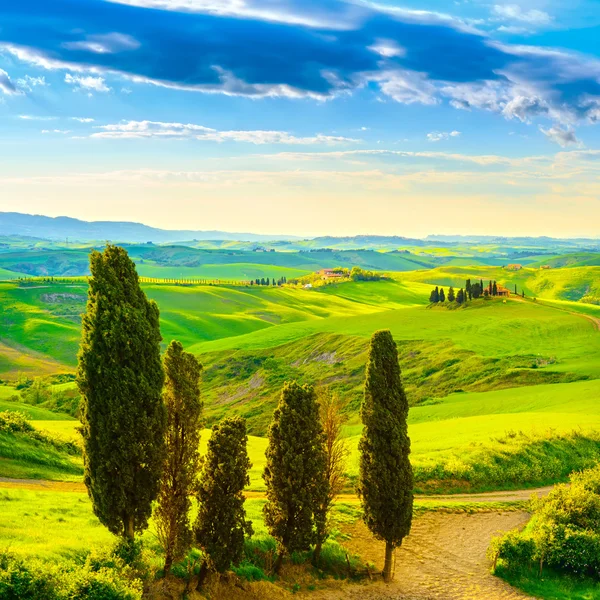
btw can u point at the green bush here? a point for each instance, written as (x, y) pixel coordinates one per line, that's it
(15, 422)
(513, 549)
(564, 533)
(17, 582)
(36, 580)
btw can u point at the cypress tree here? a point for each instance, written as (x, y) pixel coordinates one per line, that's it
(515, 289)
(179, 480)
(460, 297)
(468, 291)
(495, 289)
(295, 473)
(442, 295)
(120, 377)
(451, 296)
(221, 524)
(433, 298)
(385, 475)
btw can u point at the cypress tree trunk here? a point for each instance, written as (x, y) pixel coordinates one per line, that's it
(317, 552)
(387, 567)
(129, 526)
(278, 562)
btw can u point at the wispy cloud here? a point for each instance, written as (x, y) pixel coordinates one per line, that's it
(88, 83)
(83, 119)
(36, 118)
(158, 129)
(7, 87)
(513, 12)
(437, 136)
(562, 137)
(109, 43)
(28, 82)
(58, 131)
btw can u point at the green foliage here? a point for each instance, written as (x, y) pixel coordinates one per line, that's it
(358, 274)
(295, 470)
(221, 524)
(385, 473)
(120, 376)
(564, 533)
(93, 580)
(182, 462)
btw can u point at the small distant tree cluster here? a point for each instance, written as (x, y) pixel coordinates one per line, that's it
(358, 274)
(267, 281)
(385, 475)
(295, 472)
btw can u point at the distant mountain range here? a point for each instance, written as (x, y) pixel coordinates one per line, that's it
(60, 228)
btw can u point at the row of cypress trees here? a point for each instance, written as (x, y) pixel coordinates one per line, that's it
(141, 422)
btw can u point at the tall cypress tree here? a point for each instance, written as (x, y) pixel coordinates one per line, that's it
(295, 473)
(385, 477)
(120, 377)
(442, 296)
(451, 296)
(179, 479)
(221, 524)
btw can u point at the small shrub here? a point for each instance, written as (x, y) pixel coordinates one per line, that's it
(513, 549)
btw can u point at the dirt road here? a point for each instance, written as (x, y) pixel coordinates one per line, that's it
(42, 485)
(444, 558)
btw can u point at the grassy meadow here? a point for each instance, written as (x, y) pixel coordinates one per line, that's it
(487, 383)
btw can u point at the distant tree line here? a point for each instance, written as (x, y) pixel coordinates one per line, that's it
(141, 421)
(471, 291)
(265, 281)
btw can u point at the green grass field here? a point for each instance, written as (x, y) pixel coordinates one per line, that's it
(472, 375)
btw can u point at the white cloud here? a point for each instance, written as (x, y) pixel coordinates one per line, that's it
(60, 131)
(437, 136)
(513, 29)
(513, 12)
(109, 43)
(82, 119)
(274, 11)
(28, 82)
(525, 108)
(562, 137)
(96, 84)
(158, 129)
(406, 87)
(36, 118)
(7, 87)
(387, 48)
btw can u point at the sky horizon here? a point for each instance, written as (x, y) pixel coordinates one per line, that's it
(307, 117)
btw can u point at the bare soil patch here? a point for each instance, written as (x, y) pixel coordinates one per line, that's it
(444, 558)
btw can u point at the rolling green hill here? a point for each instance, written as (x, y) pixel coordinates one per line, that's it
(487, 383)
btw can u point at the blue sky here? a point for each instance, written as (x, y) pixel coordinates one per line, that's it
(304, 116)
